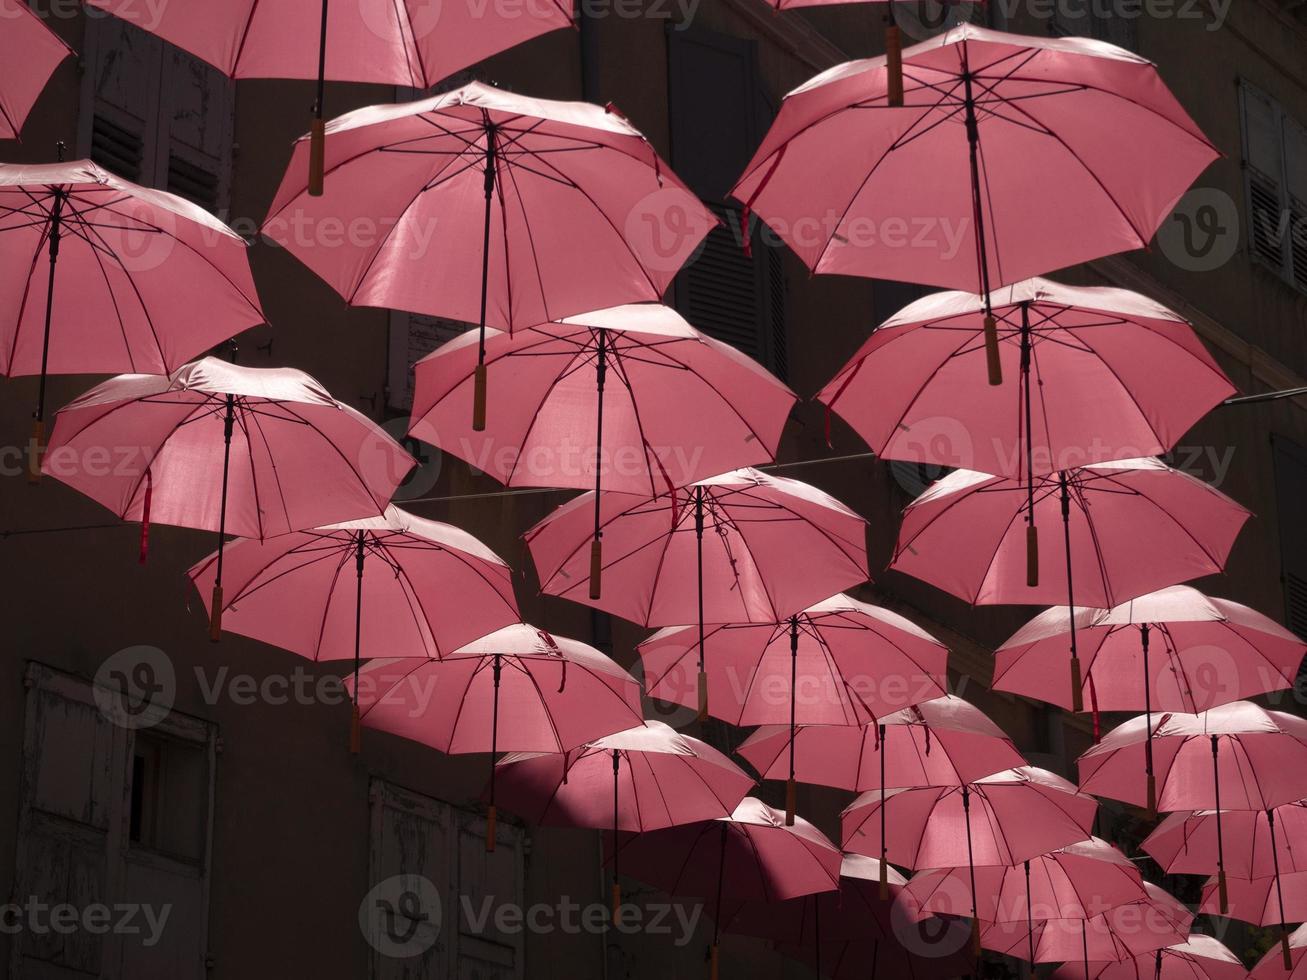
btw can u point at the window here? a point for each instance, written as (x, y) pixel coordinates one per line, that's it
(1290, 461)
(1112, 21)
(435, 891)
(156, 115)
(110, 814)
(1275, 183)
(412, 337)
(719, 113)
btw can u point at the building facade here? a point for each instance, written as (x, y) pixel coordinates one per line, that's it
(229, 819)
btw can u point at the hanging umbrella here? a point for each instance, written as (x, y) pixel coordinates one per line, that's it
(1258, 844)
(1238, 756)
(556, 694)
(1273, 900)
(427, 588)
(941, 742)
(757, 548)
(1128, 527)
(410, 43)
(1208, 652)
(1273, 967)
(642, 779)
(579, 212)
(145, 279)
(1020, 813)
(292, 456)
(836, 930)
(1197, 958)
(678, 407)
(1122, 933)
(1078, 881)
(753, 855)
(945, 741)
(1103, 373)
(30, 52)
(1060, 136)
(839, 662)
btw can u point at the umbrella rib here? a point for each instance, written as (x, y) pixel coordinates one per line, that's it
(27, 292)
(569, 361)
(326, 605)
(624, 376)
(404, 16)
(245, 33)
(75, 216)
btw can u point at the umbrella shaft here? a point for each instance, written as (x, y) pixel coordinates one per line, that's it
(228, 426)
(319, 107)
(56, 235)
(977, 201)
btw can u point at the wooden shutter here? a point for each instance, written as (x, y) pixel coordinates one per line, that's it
(1263, 161)
(156, 115)
(497, 878)
(412, 337)
(1295, 186)
(1290, 462)
(719, 113)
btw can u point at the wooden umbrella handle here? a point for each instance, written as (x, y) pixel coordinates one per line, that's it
(317, 156)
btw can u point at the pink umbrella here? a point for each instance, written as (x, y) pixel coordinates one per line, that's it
(30, 52)
(681, 406)
(1197, 958)
(1271, 967)
(121, 252)
(412, 43)
(1212, 651)
(837, 930)
(1274, 900)
(945, 741)
(1239, 756)
(658, 778)
(557, 694)
(1129, 527)
(292, 456)
(854, 662)
(576, 209)
(1118, 375)
(429, 588)
(1258, 843)
(1022, 812)
(1122, 933)
(763, 547)
(754, 855)
(1078, 881)
(941, 742)
(993, 124)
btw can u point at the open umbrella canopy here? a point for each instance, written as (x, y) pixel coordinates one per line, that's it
(298, 458)
(1035, 152)
(1272, 966)
(1261, 759)
(1078, 881)
(423, 588)
(839, 662)
(1199, 957)
(1121, 933)
(661, 778)
(493, 207)
(1273, 900)
(941, 742)
(1103, 373)
(768, 546)
(104, 276)
(1014, 815)
(518, 689)
(397, 42)
(1257, 843)
(1133, 526)
(1204, 652)
(677, 406)
(30, 52)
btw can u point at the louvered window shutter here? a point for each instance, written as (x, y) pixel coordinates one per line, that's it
(1263, 169)
(719, 113)
(1290, 461)
(1295, 182)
